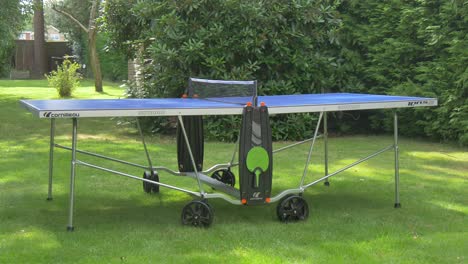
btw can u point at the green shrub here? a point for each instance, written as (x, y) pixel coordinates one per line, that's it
(414, 48)
(289, 47)
(65, 79)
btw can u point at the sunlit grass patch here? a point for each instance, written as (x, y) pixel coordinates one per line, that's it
(351, 221)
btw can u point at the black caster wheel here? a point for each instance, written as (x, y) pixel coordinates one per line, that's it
(198, 214)
(292, 209)
(225, 176)
(149, 187)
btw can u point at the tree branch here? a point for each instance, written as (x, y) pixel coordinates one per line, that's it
(92, 15)
(70, 17)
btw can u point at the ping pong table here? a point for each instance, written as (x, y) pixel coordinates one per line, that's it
(254, 159)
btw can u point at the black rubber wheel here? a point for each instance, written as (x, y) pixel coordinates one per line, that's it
(198, 214)
(292, 209)
(154, 177)
(149, 187)
(225, 176)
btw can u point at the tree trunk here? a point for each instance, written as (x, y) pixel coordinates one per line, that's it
(91, 30)
(94, 60)
(40, 57)
(93, 55)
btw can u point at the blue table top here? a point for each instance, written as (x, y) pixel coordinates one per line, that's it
(227, 105)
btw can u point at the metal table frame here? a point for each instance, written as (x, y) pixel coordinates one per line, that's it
(230, 193)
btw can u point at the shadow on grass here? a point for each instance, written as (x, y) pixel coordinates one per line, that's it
(343, 216)
(350, 221)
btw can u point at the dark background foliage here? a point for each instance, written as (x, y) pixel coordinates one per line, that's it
(413, 48)
(385, 47)
(289, 47)
(13, 14)
(113, 62)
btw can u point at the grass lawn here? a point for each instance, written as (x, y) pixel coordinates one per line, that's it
(352, 221)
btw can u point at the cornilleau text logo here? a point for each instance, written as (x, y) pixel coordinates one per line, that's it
(60, 115)
(416, 103)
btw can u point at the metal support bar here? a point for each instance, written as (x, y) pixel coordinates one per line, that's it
(222, 196)
(137, 178)
(285, 193)
(51, 157)
(295, 144)
(122, 161)
(72, 175)
(349, 166)
(102, 157)
(325, 143)
(215, 184)
(310, 150)
(159, 168)
(219, 166)
(235, 151)
(150, 165)
(207, 195)
(397, 166)
(187, 142)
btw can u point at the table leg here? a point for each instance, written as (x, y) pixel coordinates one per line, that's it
(325, 142)
(397, 166)
(51, 157)
(72, 176)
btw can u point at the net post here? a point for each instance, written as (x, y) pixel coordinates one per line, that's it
(189, 89)
(255, 95)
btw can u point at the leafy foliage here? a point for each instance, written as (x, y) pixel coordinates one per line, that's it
(413, 48)
(12, 17)
(385, 47)
(65, 79)
(283, 45)
(113, 62)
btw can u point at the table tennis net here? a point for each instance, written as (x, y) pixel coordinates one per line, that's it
(236, 92)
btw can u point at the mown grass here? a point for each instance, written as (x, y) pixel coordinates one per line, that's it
(352, 221)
